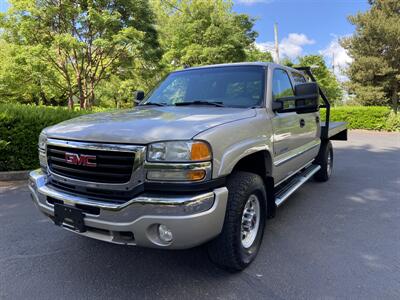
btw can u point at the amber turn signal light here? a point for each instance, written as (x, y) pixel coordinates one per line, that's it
(200, 151)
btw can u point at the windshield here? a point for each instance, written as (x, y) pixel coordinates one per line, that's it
(239, 86)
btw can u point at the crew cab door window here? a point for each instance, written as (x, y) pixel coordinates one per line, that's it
(282, 88)
(298, 78)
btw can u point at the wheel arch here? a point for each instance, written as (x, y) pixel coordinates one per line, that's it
(260, 163)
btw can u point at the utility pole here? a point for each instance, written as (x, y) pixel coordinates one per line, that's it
(276, 43)
(333, 63)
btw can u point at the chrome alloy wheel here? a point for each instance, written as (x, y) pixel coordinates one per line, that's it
(250, 221)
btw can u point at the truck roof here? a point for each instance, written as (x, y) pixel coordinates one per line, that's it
(261, 64)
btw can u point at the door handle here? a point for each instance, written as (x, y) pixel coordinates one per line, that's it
(302, 123)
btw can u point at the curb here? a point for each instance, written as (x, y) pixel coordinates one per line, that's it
(14, 175)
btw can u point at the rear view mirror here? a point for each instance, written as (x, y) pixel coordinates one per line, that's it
(138, 96)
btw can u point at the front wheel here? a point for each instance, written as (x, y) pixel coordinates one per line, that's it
(238, 244)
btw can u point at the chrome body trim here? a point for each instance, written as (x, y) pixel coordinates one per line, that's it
(298, 152)
(95, 146)
(294, 173)
(137, 176)
(37, 179)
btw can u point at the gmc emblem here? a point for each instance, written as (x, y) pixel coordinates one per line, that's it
(80, 160)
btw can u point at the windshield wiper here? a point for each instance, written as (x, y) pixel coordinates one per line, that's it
(198, 102)
(153, 103)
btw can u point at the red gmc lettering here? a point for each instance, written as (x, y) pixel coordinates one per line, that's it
(80, 160)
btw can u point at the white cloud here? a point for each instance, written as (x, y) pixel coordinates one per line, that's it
(337, 57)
(265, 47)
(290, 47)
(251, 2)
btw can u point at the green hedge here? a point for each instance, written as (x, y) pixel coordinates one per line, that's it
(20, 126)
(367, 117)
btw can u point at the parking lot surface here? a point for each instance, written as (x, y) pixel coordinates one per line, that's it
(339, 239)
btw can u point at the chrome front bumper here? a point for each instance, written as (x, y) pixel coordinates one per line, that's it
(192, 219)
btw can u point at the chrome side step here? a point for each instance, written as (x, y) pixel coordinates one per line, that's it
(285, 189)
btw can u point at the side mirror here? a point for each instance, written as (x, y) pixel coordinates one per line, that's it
(307, 97)
(305, 100)
(139, 96)
(277, 105)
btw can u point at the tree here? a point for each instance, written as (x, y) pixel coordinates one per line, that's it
(84, 41)
(375, 71)
(325, 78)
(287, 62)
(198, 32)
(25, 79)
(254, 54)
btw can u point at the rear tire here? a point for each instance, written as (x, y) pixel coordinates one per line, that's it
(238, 244)
(325, 160)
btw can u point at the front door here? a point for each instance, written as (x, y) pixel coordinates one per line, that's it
(291, 130)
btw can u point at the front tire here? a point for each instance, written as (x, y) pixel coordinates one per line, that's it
(238, 244)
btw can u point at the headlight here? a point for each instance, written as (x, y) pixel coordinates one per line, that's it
(180, 161)
(42, 141)
(179, 151)
(42, 151)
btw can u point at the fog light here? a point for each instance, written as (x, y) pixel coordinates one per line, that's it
(164, 233)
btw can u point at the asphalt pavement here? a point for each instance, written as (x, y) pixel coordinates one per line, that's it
(339, 239)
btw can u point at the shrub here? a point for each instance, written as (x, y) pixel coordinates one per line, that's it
(20, 126)
(393, 122)
(366, 117)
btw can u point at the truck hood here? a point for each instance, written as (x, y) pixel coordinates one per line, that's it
(146, 124)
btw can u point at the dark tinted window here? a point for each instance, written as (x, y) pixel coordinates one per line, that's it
(241, 86)
(298, 78)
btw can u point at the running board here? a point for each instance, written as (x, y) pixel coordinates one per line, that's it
(287, 188)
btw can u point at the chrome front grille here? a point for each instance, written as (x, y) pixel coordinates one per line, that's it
(107, 164)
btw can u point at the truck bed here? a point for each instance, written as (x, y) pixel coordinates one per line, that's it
(337, 130)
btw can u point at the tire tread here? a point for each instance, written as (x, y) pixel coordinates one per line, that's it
(224, 249)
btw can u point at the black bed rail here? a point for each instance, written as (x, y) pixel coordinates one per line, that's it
(326, 105)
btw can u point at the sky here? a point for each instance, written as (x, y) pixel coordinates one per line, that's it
(304, 26)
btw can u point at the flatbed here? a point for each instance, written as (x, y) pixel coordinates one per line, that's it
(336, 130)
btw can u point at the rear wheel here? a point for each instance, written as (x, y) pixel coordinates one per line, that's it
(325, 160)
(238, 244)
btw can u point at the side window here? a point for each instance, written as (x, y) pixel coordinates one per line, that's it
(282, 87)
(298, 78)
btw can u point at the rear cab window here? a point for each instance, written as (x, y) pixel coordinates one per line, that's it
(298, 78)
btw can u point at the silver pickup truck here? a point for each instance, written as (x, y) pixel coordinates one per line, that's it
(206, 157)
